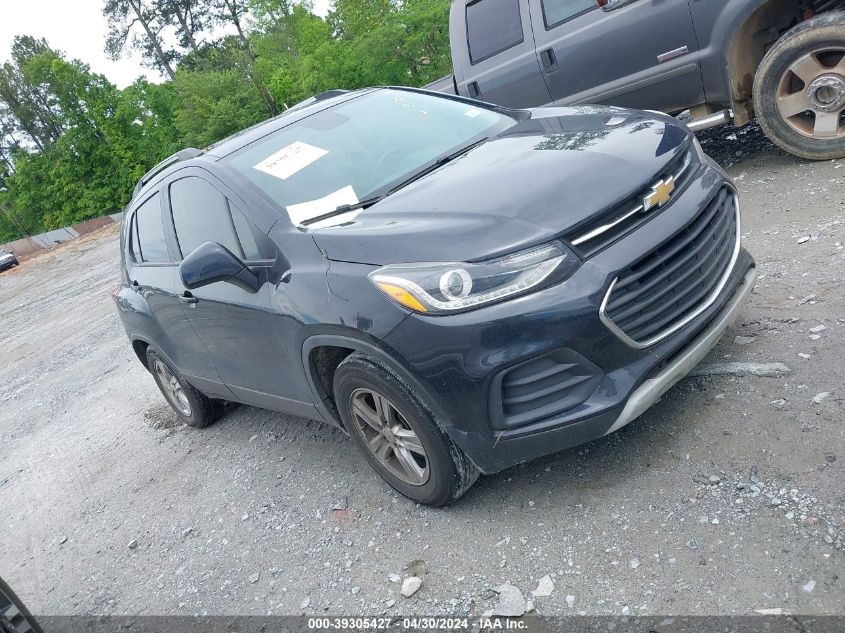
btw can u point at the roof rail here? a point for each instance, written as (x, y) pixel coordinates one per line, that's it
(185, 154)
(328, 94)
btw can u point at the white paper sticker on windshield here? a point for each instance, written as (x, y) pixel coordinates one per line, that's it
(299, 213)
(472, 113)
(290, 160)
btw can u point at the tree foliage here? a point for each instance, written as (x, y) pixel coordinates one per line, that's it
(72, 145)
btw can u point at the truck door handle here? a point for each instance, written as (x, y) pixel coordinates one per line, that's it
(549, 60)
(474, 90)
(187, 297)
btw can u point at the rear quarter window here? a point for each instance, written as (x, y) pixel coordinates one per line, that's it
(147, 233)
(493, 26)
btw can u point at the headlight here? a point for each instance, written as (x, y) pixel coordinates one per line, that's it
(442, 288)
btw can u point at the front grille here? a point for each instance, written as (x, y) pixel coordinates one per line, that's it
(544, 387)
(678, 280)
(627, 215)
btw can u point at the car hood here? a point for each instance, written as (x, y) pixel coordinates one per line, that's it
(529, 184)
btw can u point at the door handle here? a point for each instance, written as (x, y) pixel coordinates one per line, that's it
(187, 297)
(549, 60)
(473, 89)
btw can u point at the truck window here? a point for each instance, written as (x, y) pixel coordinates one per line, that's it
(557, 11)
(493, 26)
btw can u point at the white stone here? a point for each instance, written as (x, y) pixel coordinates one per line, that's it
(410, 586)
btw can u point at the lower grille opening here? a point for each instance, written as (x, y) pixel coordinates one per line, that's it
(542, 388)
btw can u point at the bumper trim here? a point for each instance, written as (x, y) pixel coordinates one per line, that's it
(647, 393)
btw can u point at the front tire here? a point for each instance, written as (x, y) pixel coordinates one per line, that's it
(193, 407)
(398, 435)
(799, 89)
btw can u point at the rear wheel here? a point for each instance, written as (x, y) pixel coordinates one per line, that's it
(398, 435)
(193, 407)
(799, 89)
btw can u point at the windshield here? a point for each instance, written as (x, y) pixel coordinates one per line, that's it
(360, 148)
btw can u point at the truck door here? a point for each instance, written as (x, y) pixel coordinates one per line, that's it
(494, 54)
(640, 54)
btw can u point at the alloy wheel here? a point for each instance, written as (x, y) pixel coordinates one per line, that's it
(811, 94)
(172, 389)
(389, 437)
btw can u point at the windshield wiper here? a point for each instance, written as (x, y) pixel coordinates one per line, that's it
(344, 208)
(363, 204)
(437, 164)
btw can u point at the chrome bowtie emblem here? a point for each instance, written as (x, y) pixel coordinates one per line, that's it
(661, 192)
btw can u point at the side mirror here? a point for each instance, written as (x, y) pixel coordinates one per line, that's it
(211, 263)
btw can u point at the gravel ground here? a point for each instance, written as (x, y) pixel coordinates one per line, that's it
(726, 497)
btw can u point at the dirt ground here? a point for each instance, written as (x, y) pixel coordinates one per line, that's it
(726, 497)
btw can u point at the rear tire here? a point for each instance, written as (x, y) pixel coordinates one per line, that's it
(193, 407)
(799, 89)
(398, 435)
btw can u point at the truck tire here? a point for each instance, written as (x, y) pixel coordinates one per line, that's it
(398, 435)
(799, 89)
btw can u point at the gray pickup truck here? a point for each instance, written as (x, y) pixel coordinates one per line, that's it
(782, 61)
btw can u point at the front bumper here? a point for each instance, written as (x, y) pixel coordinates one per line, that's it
(465, 355)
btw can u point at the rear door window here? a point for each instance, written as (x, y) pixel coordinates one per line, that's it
(148, 242)
(493, 26)
(557, 11)
(202, 214)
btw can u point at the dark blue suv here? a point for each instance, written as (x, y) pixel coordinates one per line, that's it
(459, 286)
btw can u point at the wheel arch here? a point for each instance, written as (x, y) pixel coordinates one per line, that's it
(140, 346)
(752, 33)
(323, 353)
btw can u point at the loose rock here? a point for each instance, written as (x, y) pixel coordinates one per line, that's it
(410, 586)
(744, 340)
(511, 602)
(766, 370)
(545, 586)
(820, 397)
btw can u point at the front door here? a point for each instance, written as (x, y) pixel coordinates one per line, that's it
(153, 275)
(643, 54)
(236, 325)
(496, 55)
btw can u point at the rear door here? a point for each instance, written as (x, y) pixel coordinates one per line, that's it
(238, 327)
(493, 49)
(153, 276)
(643, 54)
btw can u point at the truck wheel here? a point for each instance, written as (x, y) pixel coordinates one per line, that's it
(193, 407)
(799, 89)
(398, 435)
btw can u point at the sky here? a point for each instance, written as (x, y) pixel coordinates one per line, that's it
(78, 28)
